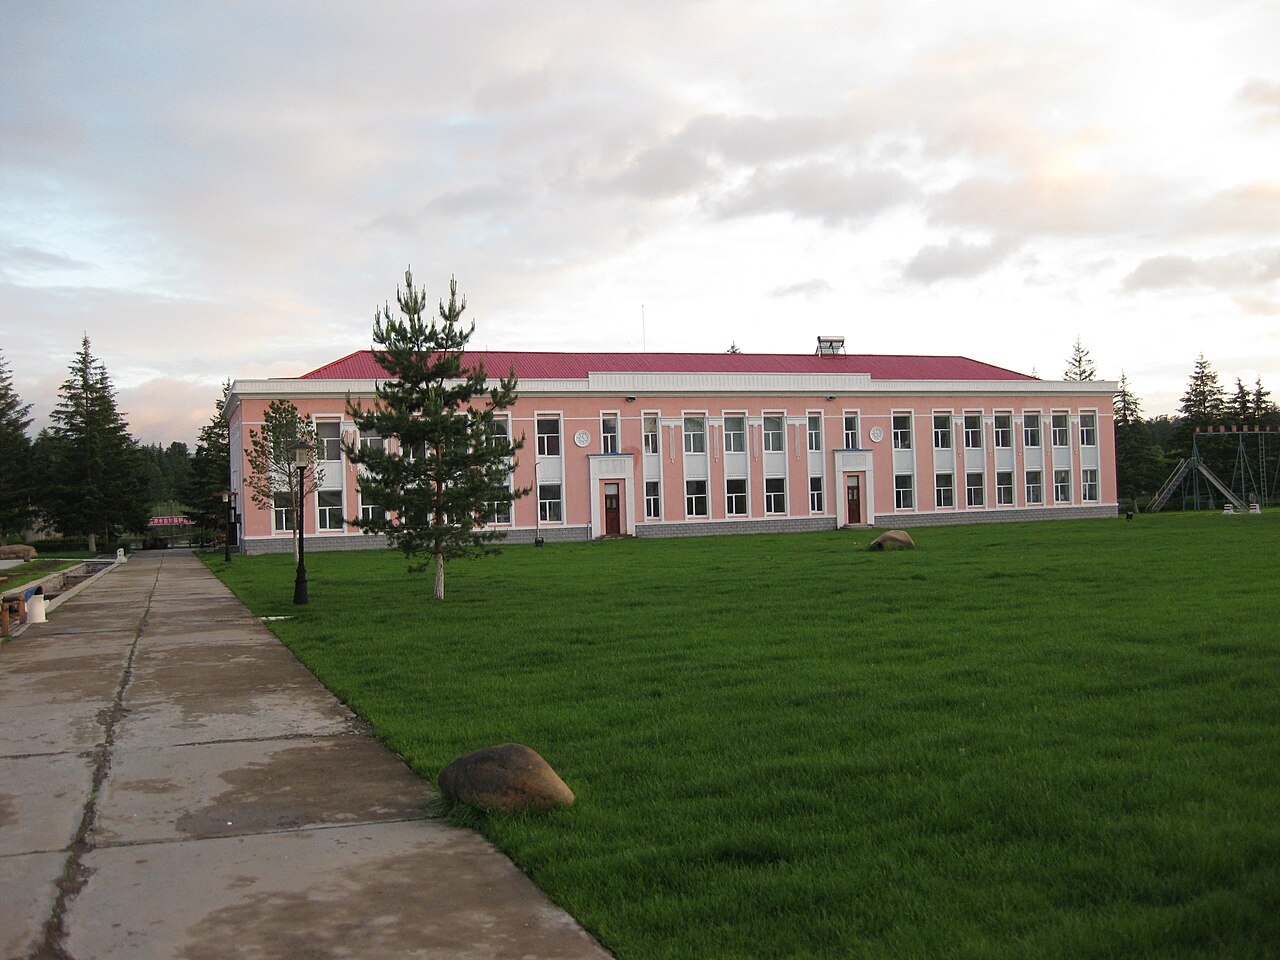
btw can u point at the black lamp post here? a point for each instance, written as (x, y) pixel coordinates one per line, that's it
(227, 495)
(301, 457)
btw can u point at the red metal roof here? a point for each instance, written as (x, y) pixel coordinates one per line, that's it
(576, 366)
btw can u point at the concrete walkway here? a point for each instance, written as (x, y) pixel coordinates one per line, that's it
(174, 784)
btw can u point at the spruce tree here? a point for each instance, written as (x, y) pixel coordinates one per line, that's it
(1139, 462)
(209, 470)
(95, 483)
(1202, 405)
(1125, 405)
(1240, 406)
(1080, 366)
(448, 473)
(16, 478)
(1260, 406)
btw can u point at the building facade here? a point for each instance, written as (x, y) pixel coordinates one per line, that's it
(653, 444)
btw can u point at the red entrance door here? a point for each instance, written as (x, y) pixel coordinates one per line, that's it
(854, 491)
(612, 511)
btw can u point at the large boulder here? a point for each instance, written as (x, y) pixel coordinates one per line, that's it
(17, 551)
(509, 776)
(893, 540)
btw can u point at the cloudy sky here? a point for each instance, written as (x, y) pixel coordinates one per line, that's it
(215, 190)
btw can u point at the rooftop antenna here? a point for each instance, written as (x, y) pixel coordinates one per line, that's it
(829, 346)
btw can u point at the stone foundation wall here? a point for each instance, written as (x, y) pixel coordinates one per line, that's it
(729, 527)
(901, 521)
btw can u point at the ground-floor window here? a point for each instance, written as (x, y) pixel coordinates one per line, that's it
(1035, 486)
(735, 498)
(371, 511)
(815, 494)
(1089, 485)
(329, 503)
(975, 494)
(550, 507)
(500, 512)
(1062, 486)
(944, 489)
(695, 498)
(282, 511)
(904, 493)
(652, 499)
(1004, 488)
(775, 495)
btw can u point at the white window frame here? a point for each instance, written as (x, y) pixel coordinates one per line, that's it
(942, 437)
(609, 441)
(652, 441)
(1061, 482)
(1032, 421)
(369, 440)
(734, 498)
(902, 439)
(547, 506)
(856, 434)
(975, 495)
(905, 493)
(325, 512)
(813, 431)
(367, 510)
(653, 501)
(739, 436)
(1089, 430)
(688, 435)
(546, 440)
(1063, 432)
(1007, 430)
(817, 494)
(1089, 484)
(774, 441)
(1004, 491)
(971, 433)
(949, 488)
(1035, 499)
(775, 500)
(282, 517)
(691, 499)
(327, 445)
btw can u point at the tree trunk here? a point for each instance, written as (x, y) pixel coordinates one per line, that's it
(93, 542)
(439, 575)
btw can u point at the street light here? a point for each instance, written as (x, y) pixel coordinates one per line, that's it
(227, 496)
(301, 457)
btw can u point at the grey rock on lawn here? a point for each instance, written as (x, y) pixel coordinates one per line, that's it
(893, 540)
(17, 551)
(509, 776)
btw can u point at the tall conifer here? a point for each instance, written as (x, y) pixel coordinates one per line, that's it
(16, 479)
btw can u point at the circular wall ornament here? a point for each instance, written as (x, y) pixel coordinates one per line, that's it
(876, 434)
(582, 438)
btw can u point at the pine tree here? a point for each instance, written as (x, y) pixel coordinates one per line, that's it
(1240, 407)
(16, 478)
(271, 460)
(209, 471)
(734, 348)
(95, 483)
(1260, 407)
(1125, 405)
(1203, 403)
(450, 471)
(1080, 366)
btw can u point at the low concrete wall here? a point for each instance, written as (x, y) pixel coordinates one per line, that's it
(732, 527)
(898, 521)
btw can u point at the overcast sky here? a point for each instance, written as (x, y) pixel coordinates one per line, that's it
(216, 190)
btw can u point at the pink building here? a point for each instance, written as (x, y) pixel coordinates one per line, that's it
(672, 444)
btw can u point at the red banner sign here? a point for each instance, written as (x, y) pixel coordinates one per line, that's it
(171, 522)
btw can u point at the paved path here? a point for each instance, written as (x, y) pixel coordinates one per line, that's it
(174, 784)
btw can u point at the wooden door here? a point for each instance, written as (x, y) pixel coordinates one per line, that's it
(612, 511)
(854, 492)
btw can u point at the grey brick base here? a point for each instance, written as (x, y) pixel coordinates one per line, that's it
(902, 520)
(315, 544)
(718, 527)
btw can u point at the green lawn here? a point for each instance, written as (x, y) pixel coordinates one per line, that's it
(11, 578)
(1049, 740)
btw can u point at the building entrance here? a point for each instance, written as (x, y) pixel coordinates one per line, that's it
(612, 511)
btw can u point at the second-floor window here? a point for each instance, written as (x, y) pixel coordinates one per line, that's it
(942, 431)
(774, 439)
(851, 431)
(902, 431)
(695, 435)
(1088, 430)
(609, 434)
(815, 432)
(735, 434)
(1004, 430)
(1061, 431)
(650, 434)
(1031, 429)
(548, 436)
(973, 431)
(329, 440)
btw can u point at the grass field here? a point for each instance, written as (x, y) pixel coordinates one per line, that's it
(13, 577)
(1048, 740)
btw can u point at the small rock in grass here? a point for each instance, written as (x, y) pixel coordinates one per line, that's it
(893, 540)
(17, 551)
(510, 776)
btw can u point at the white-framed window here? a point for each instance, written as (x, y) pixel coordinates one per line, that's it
(902, 431)
(695, 437)
(904, 493)
(1061, 430)
(975, 490)
(417, 451)
(371, 511)
(500, 512)
(815, 432)
(851, 431)
(281, 512)
(550, 506)
(1061, 486)
(815, 495)
(1004, 488)
(775, 433)
(944, 489)
(973, 431)
(548, 430)
(735, 434)
(735, 497)
(1035, 486)
(328, 440)
(500, 427)
(695, 498)
(775, 495)
(942, 431)
(1089, 485)
(649, 426)
(370, 440)
(1004, 432)
(652, 499)
(1088, 429)
(1031, 429)
(608, 433)
(329, 504)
